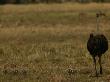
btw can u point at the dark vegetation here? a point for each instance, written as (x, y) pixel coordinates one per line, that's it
(48, 1)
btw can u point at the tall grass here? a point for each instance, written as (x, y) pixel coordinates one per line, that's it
(47, 43)
(53, 7)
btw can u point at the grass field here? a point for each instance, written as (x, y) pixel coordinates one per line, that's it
(41, 43)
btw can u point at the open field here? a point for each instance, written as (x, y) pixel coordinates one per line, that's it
(40, 43)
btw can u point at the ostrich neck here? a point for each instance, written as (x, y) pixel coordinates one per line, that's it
(98, 21)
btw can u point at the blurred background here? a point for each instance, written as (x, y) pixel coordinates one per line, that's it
(48, 1)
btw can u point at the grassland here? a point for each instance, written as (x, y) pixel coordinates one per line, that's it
(40, 43)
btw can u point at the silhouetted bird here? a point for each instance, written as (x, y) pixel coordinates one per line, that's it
(97, 45)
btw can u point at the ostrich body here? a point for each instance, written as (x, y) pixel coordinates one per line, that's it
(97, 45)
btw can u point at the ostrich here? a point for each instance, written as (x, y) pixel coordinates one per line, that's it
(97, 45)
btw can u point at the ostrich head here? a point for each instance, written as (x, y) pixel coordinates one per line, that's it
(97, 15)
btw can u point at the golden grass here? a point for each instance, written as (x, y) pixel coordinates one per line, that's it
(48, 53)
(53, 7)
(44, 52)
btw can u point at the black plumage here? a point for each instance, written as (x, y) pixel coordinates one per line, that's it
(97, 45)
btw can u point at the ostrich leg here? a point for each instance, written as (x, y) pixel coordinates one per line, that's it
(100, 65)
(95, 66)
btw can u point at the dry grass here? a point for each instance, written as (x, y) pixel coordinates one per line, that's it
(39, 45)
(66, 7)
